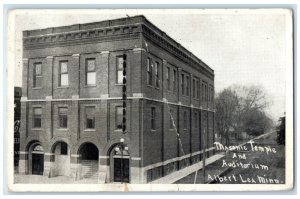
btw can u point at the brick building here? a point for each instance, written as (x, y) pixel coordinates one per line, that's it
(71, 103)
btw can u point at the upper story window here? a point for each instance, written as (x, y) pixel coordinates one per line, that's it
(202, 92)
(120, 70)
(212, 94)
(90, 67)
(149, 72)
(156, 74)
(63, 74)
(184, 119)
(205, 90)
(90, 117)
(174, 80)
(182, 83)
(63, 117)
(187, 85)
(152, 118)
(37, 117)
(168, 78)
(37, 75)
(194, 88)
(119, 117)
(198, 89)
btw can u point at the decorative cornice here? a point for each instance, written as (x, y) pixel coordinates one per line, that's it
(166, 45)
(51, 39)
(111, 30)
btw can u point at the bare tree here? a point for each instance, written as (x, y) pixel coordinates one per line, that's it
(242, 109)
(226, 107)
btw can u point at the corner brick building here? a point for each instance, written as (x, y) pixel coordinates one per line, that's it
(72, 98)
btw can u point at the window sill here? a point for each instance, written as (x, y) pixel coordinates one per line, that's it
(92, 85)
(149, 86)
(118, 130)
(62, 129)
(60, 87)
(152, 130)
(36, 129)
(119, 84)
(89, 130)
(37, 88)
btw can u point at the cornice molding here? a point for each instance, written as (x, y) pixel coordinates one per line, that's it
(129, 31)
(75, 37)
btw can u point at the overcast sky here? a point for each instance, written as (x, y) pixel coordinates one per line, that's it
(242, 47)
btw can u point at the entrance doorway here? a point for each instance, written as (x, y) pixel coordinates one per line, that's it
(121, 169)
(37, 160)
(89, 158)
(60, 161)
(120, 166)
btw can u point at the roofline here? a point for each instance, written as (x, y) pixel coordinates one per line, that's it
(115, 22)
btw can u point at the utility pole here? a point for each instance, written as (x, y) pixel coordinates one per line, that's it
(124, 93)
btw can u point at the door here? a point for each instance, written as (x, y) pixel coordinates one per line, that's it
(121, 169)
(37, 164)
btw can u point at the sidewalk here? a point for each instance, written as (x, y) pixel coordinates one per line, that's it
(212, 169)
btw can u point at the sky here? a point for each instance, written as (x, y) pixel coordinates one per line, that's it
(243, 47)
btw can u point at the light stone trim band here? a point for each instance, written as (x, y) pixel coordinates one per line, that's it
(49, 154)
(117, 98)
(136, 158)
(175, 159)
(104, 157)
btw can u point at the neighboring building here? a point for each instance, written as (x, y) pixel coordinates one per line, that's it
(72, 102)
(17, 117)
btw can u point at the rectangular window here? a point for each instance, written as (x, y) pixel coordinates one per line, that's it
(174, 80)
(198, 89)
(194, 88)
(157, 74)
(187, 85)
(212, 95)
(196, 119)
(119, 117)
(63, 149)
(171, 119)
(63, 117)
(37, 75)
(153, 118)
(63, 73)
(90, 117)
(168, 78)
(205, 90)
(37, 117)
(182, 83)
(185, 120)
(149, 72)
(202, 92)
(120, 70)
(90, 67)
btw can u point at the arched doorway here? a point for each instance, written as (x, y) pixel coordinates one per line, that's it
(120, 165)
(36, 159)
(88, 159)
(60, 159)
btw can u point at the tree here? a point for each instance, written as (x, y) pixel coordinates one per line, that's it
(242, 109)
(280, 129)
(226, 106)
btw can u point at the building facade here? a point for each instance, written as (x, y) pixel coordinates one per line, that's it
(71, 107)
(17, 117)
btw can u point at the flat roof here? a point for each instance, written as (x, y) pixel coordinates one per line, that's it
(116, 22)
